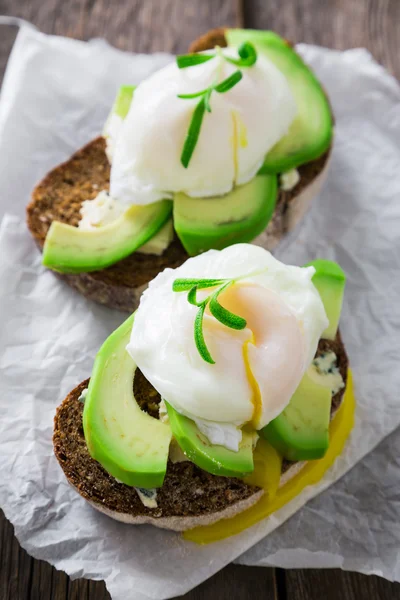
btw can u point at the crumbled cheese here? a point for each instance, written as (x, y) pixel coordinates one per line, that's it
(104, 210)
(176, 454)
(82, 397)
(162, 412)
(160, 241)
(289, 180)
(99, 212)
(148, 497)
(324, 371)
(220, 434)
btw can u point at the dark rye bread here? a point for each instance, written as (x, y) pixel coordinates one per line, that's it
(59, 196)
(61, 193)
(189, 496)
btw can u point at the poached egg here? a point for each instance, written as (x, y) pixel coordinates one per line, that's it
(244, 124)
(257, 369)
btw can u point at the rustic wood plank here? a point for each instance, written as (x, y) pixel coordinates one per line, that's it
(158, 26)
(340, 24)
(237, 583)
(315, 584)
(7, 37)
(15, 564)
(82, 589)
(170, 25)
(151, 26)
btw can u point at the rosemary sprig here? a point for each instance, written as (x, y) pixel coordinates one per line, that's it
(246, 51)
(223, 315)
(193, 132)
(190, 60)
(220, 313)
(183, 285)
(247, 56)
(228, 83)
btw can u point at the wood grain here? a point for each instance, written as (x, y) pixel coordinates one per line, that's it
(22, 577)
(170, 25)
(316, 584)
(341, 24)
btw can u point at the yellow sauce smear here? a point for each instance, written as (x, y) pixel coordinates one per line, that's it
(243, 142)
(267, 474)
(234, 141)
(256, 395)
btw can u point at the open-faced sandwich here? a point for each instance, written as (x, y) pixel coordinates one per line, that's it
(219, 147)
(218, 400)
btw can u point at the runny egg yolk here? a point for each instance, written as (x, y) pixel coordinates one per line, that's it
(234, 143)
(274, 354)
(238, 139)
(255, 388)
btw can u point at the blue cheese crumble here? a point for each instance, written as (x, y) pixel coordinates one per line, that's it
(148, 497)
(82, 397)
(289, 180)
(324, 370)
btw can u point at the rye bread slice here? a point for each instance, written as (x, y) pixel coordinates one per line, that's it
(59, 196)
(189, 496)
(61, 193)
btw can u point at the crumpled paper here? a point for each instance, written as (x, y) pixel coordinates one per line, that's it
(55, 97)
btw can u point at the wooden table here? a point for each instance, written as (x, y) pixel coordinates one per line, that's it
(170, 25)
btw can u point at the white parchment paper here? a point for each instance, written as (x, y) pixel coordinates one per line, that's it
(55, 97)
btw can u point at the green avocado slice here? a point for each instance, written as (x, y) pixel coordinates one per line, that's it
(301, 431)
(123, 100)
(130, 444)
(217, 460)
(160, 241)
(330, 281)
(68, 249)
(121, 106)
(206, 223)
(310, 134)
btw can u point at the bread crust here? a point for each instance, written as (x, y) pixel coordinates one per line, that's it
(189, 496)
(180, 523)
(120, 502)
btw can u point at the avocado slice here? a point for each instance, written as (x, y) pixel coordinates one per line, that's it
(160, 241)
(310, 134)
(130, 444)
(115, 119)
(123, 101)
(301, 431)
(119, 109)
(330, 281)
(217, 460)
(217, 222)
(71, 250)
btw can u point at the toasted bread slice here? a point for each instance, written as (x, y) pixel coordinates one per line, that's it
(60, 194)
(189, 496)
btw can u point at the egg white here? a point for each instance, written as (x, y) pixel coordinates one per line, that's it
(244, 124)
(162, 342)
